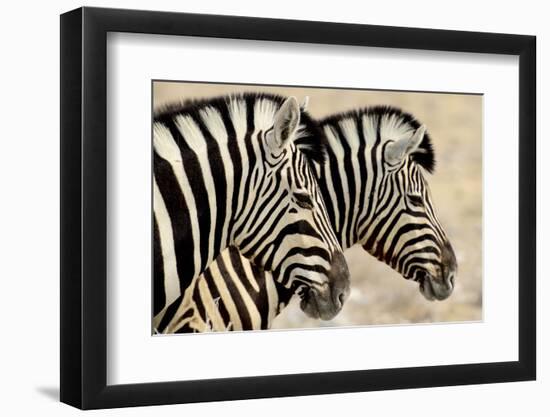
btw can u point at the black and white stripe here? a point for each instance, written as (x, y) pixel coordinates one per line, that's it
(376, 195)
(227, 171)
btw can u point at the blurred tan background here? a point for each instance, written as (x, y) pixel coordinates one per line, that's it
(380, 295)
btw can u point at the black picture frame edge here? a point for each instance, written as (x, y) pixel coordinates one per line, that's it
(71, 45)
(83, 207)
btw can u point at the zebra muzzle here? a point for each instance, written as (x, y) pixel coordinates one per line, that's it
(440, 286)
(326, 302)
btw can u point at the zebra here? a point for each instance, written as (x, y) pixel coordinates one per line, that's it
(376, 195)
(227, 171)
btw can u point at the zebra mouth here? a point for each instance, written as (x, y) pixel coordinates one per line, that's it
(427, 290)
(325, 300)
(430, 289)
(424, 285)
(308, 303)
(317, 305)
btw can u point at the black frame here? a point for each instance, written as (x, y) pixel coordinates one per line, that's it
(84, 208)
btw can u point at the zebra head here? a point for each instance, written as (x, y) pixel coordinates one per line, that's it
(405, 232)
(286, 229)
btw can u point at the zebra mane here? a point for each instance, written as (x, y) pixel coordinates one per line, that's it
(425, 156)
(310, 139)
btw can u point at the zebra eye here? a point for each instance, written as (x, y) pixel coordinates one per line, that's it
(416, 200)
(303, 200)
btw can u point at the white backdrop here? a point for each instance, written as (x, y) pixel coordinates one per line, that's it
(29, 215)
(134, 356)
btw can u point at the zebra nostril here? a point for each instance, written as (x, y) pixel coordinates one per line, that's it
(452, 280)
(342, 298)
(339, 277)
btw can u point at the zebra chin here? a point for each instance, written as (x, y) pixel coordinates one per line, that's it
(326, 302)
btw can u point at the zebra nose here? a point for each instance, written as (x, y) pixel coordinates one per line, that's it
(342, 298)
(452, 279)
(340, 293)
(339, 279)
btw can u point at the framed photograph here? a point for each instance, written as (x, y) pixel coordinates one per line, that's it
(257, 208)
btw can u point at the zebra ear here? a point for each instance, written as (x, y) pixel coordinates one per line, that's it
(305, 103)
(285, 124)
(395, 152)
